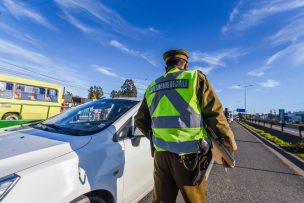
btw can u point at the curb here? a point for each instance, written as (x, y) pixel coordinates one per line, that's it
(287, 157)
(209, 169)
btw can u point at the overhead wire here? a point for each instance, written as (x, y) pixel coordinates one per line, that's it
(26, 69)
(18, 73)
(41, 74)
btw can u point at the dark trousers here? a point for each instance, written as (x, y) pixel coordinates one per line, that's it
(171, 176)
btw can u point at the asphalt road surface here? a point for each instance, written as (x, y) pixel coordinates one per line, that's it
(259, 176)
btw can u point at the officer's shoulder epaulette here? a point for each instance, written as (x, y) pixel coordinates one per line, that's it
(202, 75)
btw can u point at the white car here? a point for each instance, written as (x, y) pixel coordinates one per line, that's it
(91, 153)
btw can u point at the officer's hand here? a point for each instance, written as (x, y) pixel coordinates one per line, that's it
(226, 165)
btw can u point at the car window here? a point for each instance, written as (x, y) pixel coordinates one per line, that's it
(91, 117)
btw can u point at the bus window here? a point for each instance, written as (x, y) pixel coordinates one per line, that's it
(52, 95)
(25, 92)
(41, 95)
(6, 90)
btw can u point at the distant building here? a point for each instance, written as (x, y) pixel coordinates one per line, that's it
(297, 117)
(71, 101)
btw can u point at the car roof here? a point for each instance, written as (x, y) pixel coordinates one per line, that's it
(126, 98)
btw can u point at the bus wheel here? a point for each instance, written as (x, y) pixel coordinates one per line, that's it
(10, 116)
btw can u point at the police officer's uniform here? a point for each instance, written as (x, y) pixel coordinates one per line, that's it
(173, 115)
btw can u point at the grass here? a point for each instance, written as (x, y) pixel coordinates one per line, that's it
(301, 155)
(297, 149)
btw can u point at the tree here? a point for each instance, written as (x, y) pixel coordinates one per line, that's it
(68, 93)
(128, 89)
(115, 93)
(95, 92)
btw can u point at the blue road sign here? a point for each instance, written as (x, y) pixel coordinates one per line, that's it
(240, 110)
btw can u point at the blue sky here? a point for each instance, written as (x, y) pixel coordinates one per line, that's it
(78, 43)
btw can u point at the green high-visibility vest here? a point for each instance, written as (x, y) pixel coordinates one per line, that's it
(177, 123)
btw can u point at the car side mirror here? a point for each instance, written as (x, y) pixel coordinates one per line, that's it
(136, 137)
(137, 133)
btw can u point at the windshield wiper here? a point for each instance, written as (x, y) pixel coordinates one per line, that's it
(56, 127)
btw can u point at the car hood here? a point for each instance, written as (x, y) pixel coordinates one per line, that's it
(22, 149)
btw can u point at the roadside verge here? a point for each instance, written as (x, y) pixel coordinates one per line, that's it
(297, 164)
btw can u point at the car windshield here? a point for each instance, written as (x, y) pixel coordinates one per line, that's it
(88, 118)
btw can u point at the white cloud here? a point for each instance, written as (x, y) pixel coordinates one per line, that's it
(270, 84)
(274, 57)
(235, 11)
(125, 49)
(9, 48)
(21, 61)
(251, 13)
(291, 55)
(21, 10)
(20, 35)
(78, 24)
(259, 71)
(218, 90)
(216, 58)
(104, 15)
(205, 70)
(235, 87)
(152, 29)
(105, 71)
(140, 84)
(292, 32)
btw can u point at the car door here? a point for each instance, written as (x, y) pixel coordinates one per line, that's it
(138, 170)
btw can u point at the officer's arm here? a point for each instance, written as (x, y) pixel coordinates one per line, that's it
(143, 119)
(213, 113)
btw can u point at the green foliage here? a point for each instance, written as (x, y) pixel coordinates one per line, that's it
(115, 94)
(128, 89)
(301, 145)
(95, 92)
(286, 145)
(301, 155)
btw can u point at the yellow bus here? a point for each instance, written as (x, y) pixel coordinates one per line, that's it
(24, 99)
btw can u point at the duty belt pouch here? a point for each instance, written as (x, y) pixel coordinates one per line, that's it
(201, 168)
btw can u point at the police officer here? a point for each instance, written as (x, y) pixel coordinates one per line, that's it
(226, 113)
(173, 115)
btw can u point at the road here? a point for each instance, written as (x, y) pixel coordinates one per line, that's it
(259, 176)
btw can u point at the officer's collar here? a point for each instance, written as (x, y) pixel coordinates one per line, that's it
(174, 69)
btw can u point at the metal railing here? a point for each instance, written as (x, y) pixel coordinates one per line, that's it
(281, 125)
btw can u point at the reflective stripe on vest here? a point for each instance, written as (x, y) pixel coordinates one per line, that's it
(177, 147)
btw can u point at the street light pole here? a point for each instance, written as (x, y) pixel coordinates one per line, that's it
(245, 99)
(245, 88)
